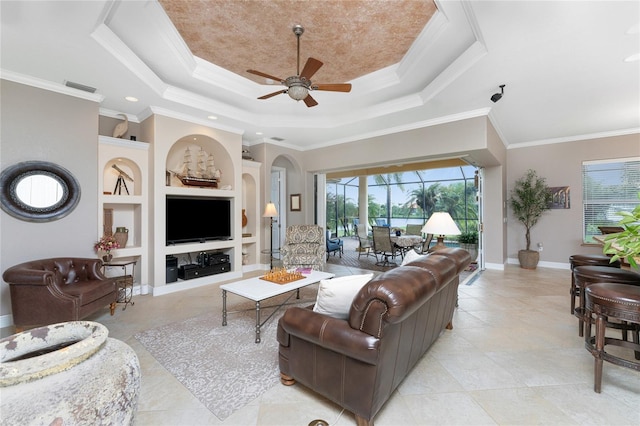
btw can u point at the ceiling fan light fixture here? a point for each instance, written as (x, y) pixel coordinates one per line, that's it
(298, 92)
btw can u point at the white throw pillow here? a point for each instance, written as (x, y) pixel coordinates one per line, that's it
(336, 295)
(410, 256)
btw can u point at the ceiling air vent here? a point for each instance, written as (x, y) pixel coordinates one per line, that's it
(277, 139)
(80, 86)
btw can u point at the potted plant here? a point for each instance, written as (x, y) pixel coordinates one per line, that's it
(469, 242)
(530, 198)
(625, 244)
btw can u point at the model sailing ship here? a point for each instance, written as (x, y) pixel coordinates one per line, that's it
(201, 172)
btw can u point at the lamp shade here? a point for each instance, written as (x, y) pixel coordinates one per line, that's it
(270, 211)
(440, 223)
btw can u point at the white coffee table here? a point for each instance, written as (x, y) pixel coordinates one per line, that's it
(257, 289)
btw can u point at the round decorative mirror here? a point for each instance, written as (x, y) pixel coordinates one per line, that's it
(38, 191)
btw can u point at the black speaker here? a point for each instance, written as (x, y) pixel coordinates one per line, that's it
(172, 269)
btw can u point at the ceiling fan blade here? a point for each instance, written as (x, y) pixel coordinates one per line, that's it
(270, 95)
(261, 74)
(310, 101)
(310, 68)
(346, 87)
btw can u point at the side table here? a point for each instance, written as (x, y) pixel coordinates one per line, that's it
(125, 283)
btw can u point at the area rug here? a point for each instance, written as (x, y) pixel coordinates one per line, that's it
(221, 366)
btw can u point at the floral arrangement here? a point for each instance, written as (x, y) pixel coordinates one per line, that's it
(106, 243)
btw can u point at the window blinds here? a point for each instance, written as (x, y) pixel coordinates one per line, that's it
(609, 186)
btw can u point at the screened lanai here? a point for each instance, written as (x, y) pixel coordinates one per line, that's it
(404, 197)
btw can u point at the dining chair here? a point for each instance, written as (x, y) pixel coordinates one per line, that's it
(425, 244)
(414, 229)
(383, 246)
(365, 243)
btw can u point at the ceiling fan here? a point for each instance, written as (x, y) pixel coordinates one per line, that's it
(299, 85)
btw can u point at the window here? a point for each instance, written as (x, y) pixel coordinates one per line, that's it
(609, 186)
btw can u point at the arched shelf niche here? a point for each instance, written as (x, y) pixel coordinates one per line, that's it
(249, 203)
(131, 175)
(200, 153)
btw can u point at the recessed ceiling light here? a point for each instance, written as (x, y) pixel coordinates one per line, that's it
(258, 133)
(131, 98)
(632, 58)
(212, 117)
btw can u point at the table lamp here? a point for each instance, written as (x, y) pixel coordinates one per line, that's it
(270, 212)
(440, 224)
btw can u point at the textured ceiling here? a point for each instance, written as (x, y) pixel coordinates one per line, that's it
(352, 38)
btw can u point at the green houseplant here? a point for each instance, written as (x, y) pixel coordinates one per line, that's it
(530, 198)
(625, 244)
(469, 241)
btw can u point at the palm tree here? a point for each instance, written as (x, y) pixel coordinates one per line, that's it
(426, 198)
(386, 179)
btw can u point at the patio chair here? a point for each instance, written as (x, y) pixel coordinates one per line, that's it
(334, 245)
(414, 229)
(355, 224)
(381, 222)
(383, 246)
(425, 244)
(365, 243)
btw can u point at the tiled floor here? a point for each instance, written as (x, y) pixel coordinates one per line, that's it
(513, 358)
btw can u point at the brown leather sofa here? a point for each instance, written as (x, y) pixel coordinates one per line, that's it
(49, 291)
(393, 320)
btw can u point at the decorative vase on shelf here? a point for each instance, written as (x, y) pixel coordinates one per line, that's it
(244, 218)
(107, 257)
(72, 373)
(121, 235)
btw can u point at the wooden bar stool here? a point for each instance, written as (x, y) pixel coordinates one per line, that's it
(607, 301)
(587, 275)
(586, 260)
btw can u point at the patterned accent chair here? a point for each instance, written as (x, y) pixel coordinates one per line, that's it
(304, 247)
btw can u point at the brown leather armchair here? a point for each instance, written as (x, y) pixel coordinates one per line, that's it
(49, 291)
(393, 320)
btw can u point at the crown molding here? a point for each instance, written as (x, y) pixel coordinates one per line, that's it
(574, 138)
(115, 114)
(50, 86)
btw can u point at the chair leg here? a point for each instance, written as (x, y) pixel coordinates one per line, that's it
(600, 330)
(112, 307)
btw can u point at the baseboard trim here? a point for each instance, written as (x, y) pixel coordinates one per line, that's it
(494, 266)
(6, 321)
(542, 264)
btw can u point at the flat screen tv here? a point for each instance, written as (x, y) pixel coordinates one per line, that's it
(197, 219)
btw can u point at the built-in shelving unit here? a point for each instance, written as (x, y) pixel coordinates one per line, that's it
(251, 206)
(125, 192)
(223, 148)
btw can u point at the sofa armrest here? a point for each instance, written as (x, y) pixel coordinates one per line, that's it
(23, 276)
(331, 333)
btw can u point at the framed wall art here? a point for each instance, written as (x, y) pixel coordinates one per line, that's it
(295, 203)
